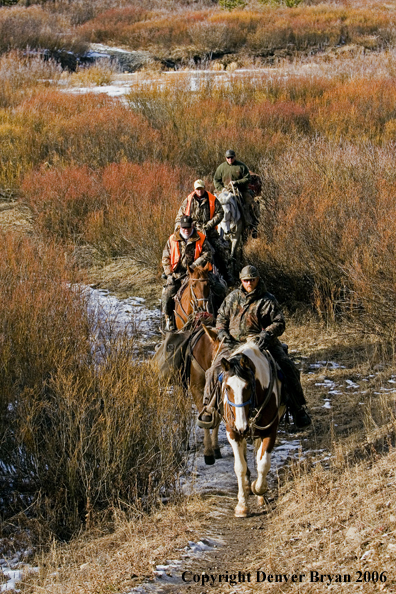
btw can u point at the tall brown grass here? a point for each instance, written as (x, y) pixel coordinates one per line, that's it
(78, 434)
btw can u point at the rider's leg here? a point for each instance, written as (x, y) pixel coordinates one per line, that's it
(221, 257)
(168, 292)
(219, 292)
(252, 212)
(295, 398)
(212, 386)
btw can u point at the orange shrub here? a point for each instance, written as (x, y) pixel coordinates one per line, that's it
(123, 209)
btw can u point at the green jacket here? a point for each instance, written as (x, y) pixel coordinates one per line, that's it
(237, 172)
(244, 314)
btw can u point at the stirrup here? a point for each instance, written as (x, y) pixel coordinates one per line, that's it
(214, 421)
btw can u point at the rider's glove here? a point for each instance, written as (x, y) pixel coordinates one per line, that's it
(263, 340)
(227, 339)
(169, 279)
(208, 226)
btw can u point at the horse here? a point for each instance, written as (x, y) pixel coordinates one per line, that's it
(191, 353)
(231, 226)
(251, 401)
(193, 297)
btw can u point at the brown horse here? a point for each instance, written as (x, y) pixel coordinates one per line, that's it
(203, 352)
(250, 391)
(193, 297)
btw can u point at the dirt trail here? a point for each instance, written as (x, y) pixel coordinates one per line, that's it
(227, 545)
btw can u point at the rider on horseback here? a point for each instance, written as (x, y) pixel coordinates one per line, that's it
(235, 174)
(207, 212)
(247, 312)
(185, 248)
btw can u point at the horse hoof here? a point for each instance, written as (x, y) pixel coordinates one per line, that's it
(241, 512)
(260, 501)
(217, 453)
(209, 460)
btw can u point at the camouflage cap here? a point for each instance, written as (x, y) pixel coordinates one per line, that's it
(199, 184)
(248, 272)
(230, 153)
(186, 222)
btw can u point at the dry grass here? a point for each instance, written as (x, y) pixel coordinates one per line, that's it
(118, 560)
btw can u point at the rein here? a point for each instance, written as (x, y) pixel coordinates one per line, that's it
(194, 300)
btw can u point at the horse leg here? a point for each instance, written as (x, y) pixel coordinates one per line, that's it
(209, 453)
(215, 442)
(240, 466)
(263, 459)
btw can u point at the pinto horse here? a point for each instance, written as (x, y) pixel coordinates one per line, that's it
(250, 392)
(193, 296)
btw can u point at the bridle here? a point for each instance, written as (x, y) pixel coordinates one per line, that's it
(254, 413)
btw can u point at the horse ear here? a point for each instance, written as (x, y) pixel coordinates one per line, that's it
(189, 270)
(226, 365)
(246, 362)
(207, 266)
(210, 333)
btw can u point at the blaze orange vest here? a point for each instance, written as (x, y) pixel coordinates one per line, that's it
(175, 249)
(212, 206)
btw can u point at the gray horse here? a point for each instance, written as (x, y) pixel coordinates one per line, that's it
(232, 226)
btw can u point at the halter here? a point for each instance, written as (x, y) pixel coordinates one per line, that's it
(207, 301)
(252, 421)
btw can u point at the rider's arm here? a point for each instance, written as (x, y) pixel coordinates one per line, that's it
(223, 320)
(243, 181)
(217, 217)
(166, 259)
(218, 179)
(180, 212)
(272, 318)
(205, 257)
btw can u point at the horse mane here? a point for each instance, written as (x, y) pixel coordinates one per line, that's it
(236, 368)
(199, 272)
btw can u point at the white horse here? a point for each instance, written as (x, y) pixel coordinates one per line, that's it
(231, 227)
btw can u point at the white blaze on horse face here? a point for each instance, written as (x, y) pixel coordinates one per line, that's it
(238, 385)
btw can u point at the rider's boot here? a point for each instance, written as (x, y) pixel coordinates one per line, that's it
(169, 324)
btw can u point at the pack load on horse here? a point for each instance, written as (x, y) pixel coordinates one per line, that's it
(251, 407)
(206, 212)
(238, 173)
(186, 250)
(251, 313)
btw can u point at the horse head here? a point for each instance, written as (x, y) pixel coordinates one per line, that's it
(238, 391)
(198, 282)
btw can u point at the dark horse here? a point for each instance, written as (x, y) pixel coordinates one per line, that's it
(250, 393)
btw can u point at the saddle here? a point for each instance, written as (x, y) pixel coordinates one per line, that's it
(175, 353)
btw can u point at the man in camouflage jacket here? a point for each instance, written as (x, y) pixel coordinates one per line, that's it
(207, 212)
(252, 311)
(185, 238)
